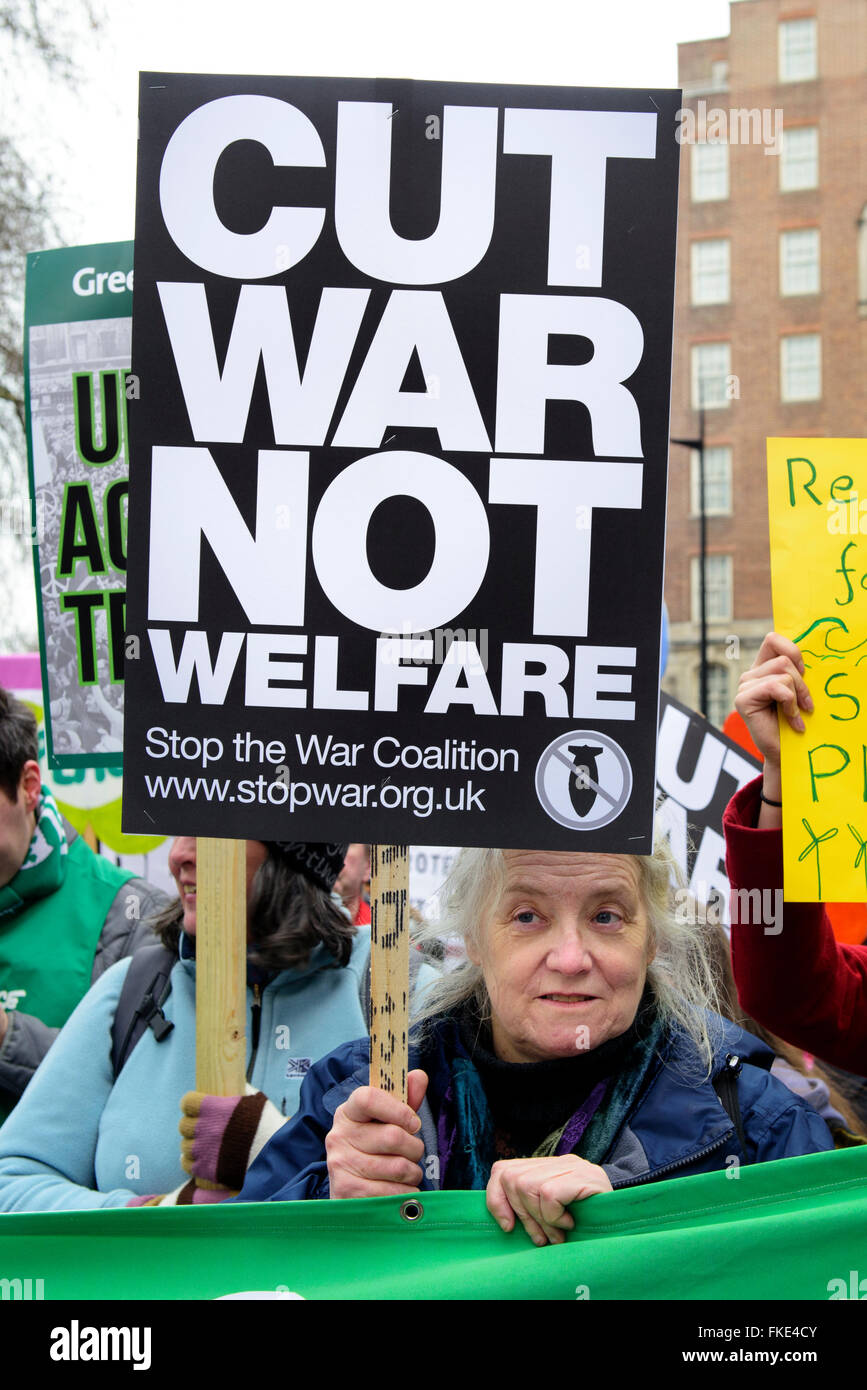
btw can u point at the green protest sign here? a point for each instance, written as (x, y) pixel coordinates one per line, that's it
(78, 315)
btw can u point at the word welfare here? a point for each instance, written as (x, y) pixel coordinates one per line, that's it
(267, 566)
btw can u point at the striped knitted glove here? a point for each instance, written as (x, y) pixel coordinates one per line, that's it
(221, 1136)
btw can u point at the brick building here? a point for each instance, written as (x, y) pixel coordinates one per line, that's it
(771, 309)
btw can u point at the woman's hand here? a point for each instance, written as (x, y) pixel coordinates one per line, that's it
(373, 1148)
(775, 680)
(538, 1190)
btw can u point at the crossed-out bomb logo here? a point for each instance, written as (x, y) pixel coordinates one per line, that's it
(583, 780)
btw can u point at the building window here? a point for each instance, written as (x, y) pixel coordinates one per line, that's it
(711, 375)
(799, 261)
(801, 367)
(709, 172)
(709, 263)
(718, 586)
(798, 50)
(718, 695)
(799, 161)
(717, 481)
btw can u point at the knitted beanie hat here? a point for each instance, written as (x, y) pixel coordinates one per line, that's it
(319, 863)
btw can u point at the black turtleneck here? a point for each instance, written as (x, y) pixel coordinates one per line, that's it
(529, 1100)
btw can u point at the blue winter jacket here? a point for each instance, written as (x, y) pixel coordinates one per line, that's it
(677, 1127)
(81, 1138)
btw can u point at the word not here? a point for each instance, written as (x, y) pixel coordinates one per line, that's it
(269, 576)
(737, 126)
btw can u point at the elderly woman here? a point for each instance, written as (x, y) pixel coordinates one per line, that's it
(98, 1124)
(571, 1054)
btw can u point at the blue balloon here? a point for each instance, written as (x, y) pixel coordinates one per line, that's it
(663, 645)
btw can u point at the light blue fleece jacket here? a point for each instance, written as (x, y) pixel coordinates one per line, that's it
(79, 1139)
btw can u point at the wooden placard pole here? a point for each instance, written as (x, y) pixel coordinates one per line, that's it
(389, 967)
(221, 966)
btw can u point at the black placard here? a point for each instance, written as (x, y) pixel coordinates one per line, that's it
(399, 462)
(698, 771)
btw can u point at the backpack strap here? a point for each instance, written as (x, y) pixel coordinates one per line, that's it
(146, 987)
(726, 1086)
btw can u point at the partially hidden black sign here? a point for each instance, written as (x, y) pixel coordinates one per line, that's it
(399, 460)
(698, 771)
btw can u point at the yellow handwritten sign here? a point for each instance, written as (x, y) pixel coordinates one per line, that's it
(817, 504)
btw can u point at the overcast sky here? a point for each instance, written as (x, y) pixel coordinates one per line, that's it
(84, 137)
(618, 43)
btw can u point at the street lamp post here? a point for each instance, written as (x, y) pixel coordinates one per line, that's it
(698, 446)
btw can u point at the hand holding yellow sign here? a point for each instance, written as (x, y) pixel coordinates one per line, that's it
(817, 504)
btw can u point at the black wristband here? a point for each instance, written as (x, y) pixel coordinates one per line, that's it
(767, 800)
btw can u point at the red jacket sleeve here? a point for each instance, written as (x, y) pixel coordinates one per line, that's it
(791, 972)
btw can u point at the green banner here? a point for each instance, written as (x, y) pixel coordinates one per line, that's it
(78, 316)
(795, 1229)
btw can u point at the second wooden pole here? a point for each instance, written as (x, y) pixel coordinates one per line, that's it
(389, 967)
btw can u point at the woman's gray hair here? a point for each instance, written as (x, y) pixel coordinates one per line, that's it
(681, 975)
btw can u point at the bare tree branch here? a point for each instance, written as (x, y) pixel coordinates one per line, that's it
(47, 33)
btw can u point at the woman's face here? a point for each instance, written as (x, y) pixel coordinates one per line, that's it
(564, 953)
(182, 866)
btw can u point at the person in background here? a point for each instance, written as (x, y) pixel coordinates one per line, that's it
(353, 883)
(98, 1126)
(66, 914)
(834, 1097)
(797, 980)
